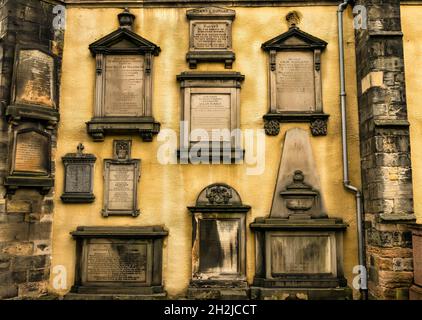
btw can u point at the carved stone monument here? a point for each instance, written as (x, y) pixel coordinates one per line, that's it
(31, 160)
(298, 248)
(34, 86)
(121, 177)
(114, 261)
(211, 115)
(124, 68)
(218, 244)
(78, 177)
(295, 80)
(210, 39)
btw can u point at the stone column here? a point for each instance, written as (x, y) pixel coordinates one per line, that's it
(385, 150)
(26, 217)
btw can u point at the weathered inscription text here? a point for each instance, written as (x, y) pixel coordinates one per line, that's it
(116, 262)
(35, 78)
(124, 85)
(295, 81)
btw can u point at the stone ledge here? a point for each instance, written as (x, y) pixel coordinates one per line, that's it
(301, 293)
(82, 296)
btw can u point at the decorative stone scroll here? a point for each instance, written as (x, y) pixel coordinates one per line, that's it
(124, 69)
(31, 160)
(218, 244)
(298, 246)
(121, 177)
(210, 37)
(34, 86)
(78, 177)
(295, 81)
(118, 260)
(211, 105)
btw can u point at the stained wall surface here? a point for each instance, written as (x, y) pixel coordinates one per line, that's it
(166, 190)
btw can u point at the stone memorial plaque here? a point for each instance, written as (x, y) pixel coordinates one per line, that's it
(211, 116)
(210, 35)
(116, 261)
(219, 243)
(119, 260)
(219, 246)
(210, 38)
(78, 178)
(121, 186)
(210, 111)
(295, 81)
(121, 181)
(124, 83)
(35, 79)
(301, 254)
(32, 153)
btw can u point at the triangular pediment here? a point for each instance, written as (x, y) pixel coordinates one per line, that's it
(294, 38)
(123, 40)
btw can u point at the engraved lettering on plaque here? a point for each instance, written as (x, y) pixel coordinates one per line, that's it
(116, 262)
(78, 178)
(207, 35)
(301, 254)
(295, 81)
(219, 246)
(210, 111)
(121, 184)
(35, 78)
(31, 153)
(124, 85)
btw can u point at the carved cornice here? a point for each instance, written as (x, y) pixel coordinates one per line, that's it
(196, 3)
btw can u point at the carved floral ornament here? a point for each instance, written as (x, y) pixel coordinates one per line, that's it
(218, 194)
(219, 197)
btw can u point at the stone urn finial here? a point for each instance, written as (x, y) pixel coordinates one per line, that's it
(126, 19)
(293, 19)
(299, 197)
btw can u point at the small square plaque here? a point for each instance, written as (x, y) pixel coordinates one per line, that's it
(210, 36)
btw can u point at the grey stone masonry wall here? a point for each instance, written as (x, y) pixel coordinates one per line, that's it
(385, 150)
(25, 217)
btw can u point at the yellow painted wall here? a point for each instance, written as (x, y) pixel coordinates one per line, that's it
(412, 44)
(166, 191)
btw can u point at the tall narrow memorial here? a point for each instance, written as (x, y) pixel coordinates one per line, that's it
(121, 178)
(124, 69)
(218, 244)
(298, 248)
